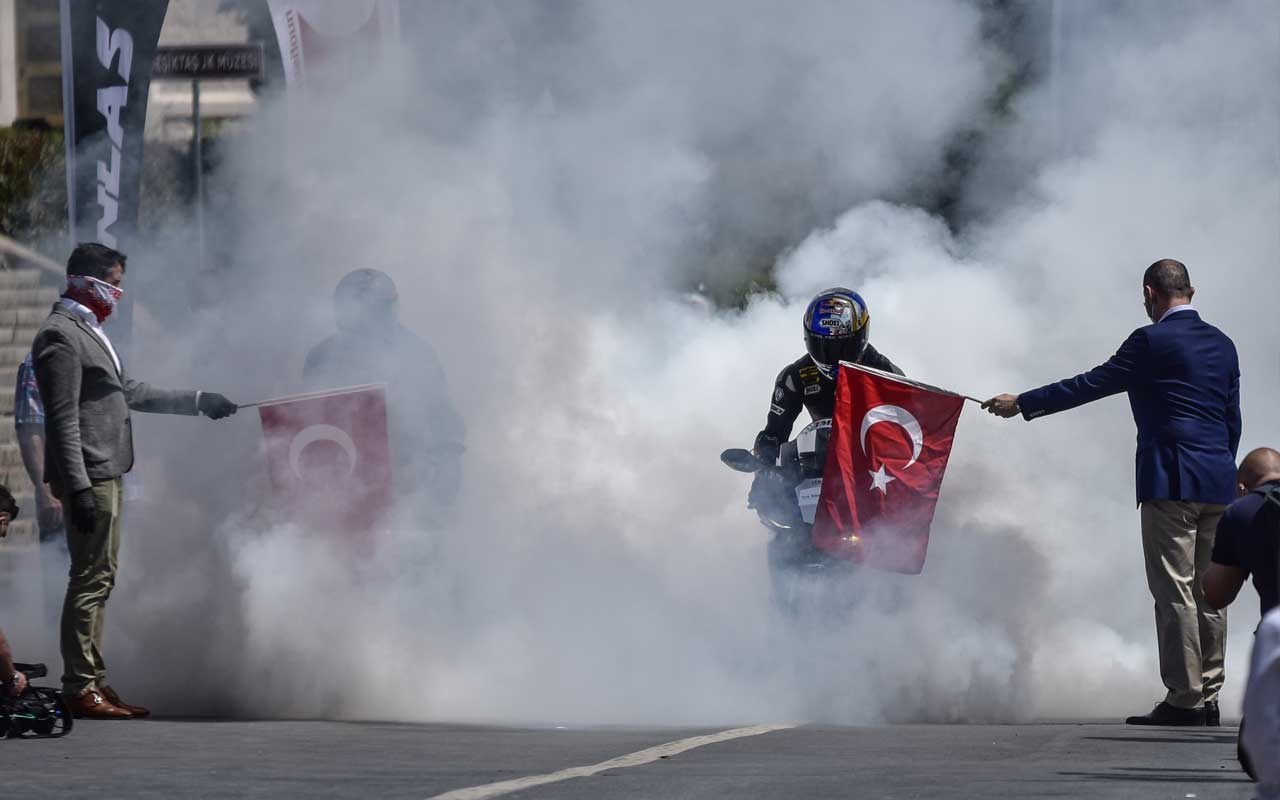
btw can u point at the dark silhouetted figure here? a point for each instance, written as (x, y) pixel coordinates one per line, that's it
(371, 346)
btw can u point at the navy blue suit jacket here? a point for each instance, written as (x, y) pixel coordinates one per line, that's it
(1183, 380)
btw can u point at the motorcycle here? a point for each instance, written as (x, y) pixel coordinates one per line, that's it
(784, 495)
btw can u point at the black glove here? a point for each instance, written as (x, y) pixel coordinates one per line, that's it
(84, 511)
(215, 406)
(767, 447)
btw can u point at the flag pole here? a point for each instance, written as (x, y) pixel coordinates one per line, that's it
(902, 379)
(308, 395)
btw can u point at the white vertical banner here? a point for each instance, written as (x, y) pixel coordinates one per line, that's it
(338, 36)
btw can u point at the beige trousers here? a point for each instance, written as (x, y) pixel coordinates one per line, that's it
(93, 575)
(1177, 540)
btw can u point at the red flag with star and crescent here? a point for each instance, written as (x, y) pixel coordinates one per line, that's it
(890, 440)
(328, 457)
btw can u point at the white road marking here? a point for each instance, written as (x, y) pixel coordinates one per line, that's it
(488, 790)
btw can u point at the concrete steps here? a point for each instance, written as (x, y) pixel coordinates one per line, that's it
(21, 279)
(35, 296)
(30, 316)
(9, 455)
(13, 475)
(19, 334)
(11, 355)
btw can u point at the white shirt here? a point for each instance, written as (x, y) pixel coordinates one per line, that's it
(91, 320)
(1176, 309)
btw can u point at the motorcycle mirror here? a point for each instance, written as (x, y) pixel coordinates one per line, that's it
(736, 458)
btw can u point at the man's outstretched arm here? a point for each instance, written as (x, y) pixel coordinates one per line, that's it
(1118, 374)
(146, 398)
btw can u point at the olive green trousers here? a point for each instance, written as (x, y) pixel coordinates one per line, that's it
(93, 574)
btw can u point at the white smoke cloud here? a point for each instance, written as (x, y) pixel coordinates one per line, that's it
(1171, 153)
(542, 181)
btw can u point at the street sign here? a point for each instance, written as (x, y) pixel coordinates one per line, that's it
(201, 61)
(196, 63)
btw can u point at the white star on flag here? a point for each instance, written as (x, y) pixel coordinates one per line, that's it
(881, 479)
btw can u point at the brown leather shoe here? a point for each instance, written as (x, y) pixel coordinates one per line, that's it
(90, 704)
(114, 699)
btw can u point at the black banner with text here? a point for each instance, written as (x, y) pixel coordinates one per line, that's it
(107, 52)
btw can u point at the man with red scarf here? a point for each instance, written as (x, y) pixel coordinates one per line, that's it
(88, 448)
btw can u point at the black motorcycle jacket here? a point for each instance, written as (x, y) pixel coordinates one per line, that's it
(802, 385)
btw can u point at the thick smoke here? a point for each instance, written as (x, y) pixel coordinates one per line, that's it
(1169, 150)
(544, 181)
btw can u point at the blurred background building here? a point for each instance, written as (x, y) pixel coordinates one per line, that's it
(31, 169)
(31, 69)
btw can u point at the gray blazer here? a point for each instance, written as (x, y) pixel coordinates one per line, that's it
(88, 434)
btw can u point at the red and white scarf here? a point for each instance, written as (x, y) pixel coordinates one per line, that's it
(98, 296)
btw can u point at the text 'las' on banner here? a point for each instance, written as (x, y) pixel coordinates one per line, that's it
(107, 52)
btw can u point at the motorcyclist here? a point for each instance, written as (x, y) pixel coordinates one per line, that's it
(836, 328)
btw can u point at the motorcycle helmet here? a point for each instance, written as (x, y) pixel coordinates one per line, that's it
(365, 298)
(836, 328)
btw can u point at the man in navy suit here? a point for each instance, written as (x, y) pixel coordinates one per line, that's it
(1183, 380)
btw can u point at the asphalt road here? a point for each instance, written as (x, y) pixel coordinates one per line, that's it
(203, 759)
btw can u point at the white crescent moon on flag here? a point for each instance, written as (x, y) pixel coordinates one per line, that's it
(899, 416)
(321, 433)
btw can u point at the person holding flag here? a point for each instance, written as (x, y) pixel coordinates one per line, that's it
(1182, 376)
(88, 397)
(372, 346)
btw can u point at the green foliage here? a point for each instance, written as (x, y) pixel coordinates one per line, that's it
(33, 188)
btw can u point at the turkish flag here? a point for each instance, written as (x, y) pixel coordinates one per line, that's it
(328, 457)
(890, 440)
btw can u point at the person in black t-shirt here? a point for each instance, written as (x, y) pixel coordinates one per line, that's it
(1248, 538)
(1248, 543)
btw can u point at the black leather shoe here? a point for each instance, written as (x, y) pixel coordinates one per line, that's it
(1212, 717)
(1165, 714)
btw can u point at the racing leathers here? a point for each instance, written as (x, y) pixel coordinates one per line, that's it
(802, 385)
